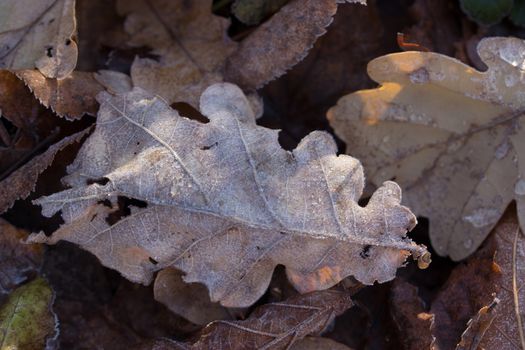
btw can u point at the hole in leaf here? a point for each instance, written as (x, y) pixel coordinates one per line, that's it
(101, 181)
(68, 42)
(124, 209)
(186, 110)
(205, 148)
(365, 253)
(153, 261)
(49, 51)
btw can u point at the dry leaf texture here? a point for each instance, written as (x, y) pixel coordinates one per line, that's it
(20, 183)
(225, 203)
(452, 136)
(71, 97)
(38, 34)
(195, 51)
(272, 326)
(507, 330)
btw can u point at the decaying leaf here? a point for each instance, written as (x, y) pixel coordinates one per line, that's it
(38, 34)
(70, 97)
(17, 261)
(508, 327)
(26, 319)
(189, 300)
(477, 326)
(224, 203)
(194, 50)
(453, 137)
(413, 322)
(20, 183)
(272, 326)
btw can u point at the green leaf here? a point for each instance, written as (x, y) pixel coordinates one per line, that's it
(26, 319)
(486, 12)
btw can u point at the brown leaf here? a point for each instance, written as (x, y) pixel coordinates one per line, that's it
(189, 300)
(38, 34)
(20, 183)
(17, 104)
(194, 50)
(223, 202)
(451, 135)
(71, 97)
(18, 262)
(279, 43)
(469, 288)
(507, 330)
(413, 322)
(477, 326)
(276, 325)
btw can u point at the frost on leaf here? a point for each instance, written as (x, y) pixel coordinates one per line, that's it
(38, 34)
(194, 50)
(273, 326)
(453, 137)
(223, 202)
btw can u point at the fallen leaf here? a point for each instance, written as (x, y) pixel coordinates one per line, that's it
(450, 135)
(298, 101)
(224, 203)
(194, 50)
(26, 319)
(477, 326)
(414, 324)
(18, 261)
(38, 34)
(507, 329)
(189, 300)
(20, 183)
(272, 326)
(70, 97)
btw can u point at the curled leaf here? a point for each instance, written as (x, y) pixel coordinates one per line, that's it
(223, 202)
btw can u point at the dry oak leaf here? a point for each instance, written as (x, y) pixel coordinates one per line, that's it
(477, 326)
(507, 329)
(223, 202)
(38, 34)
(453, 137)
(271, 326)
(71, 97)
(195, 51)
